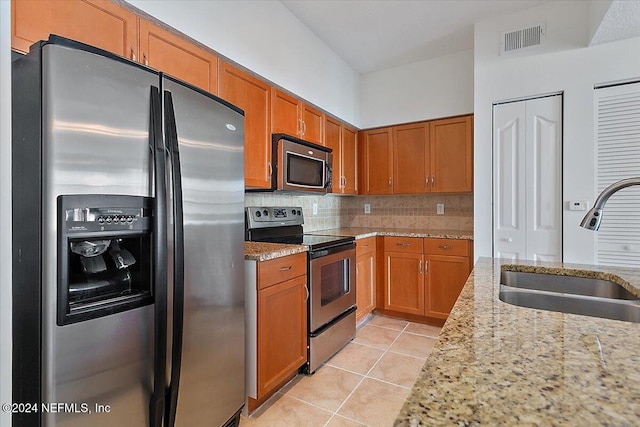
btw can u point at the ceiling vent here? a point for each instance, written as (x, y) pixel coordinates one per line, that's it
(523, 38)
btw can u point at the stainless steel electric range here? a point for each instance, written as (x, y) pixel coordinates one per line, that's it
(331, 266)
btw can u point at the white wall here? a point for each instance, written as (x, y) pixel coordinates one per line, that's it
(423, 90)
(268, 39)
(5, 208)
(565, 66)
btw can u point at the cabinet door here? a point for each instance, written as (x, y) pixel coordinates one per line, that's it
(332, 139)
(253, 96)
(411, 159)
(99, 23)
(404, 282)
(285, 116)
(365, 276)
(312, 125)
(445, 276)
(349, 162)
(451, 145)
(376, 161)
(173, 55)
(282, 332)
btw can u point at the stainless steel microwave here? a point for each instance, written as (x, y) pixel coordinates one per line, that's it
(300, 165)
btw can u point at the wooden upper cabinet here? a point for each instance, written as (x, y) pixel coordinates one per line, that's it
(333, 129)
(285, 116)
(411, 158)
(292, 116)
(254, 97)
(312, 124)
(164, 51)
(375, 153)
(451, 143)
(349, 160)
(99, 23)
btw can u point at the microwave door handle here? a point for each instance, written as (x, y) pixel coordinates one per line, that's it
(327, 182)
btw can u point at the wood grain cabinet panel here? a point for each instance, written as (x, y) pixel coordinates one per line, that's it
(411, 158)
(282, 332)
(451, 144)
(404, 277)
(254, 97)
(375, 152)
(342, 139)
(175, 56)
(446, 276)
(365, 277)
(292, 116)
(99, 23)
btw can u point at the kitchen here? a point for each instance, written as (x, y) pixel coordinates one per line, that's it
(563, 55)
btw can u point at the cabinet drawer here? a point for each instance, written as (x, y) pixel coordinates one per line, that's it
(403, 244)
(281, 269)
(446, 247)
(365, 246)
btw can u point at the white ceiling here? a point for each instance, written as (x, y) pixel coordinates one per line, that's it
(372, 35)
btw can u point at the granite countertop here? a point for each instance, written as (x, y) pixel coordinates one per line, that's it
(499, 364)
(262, 251)
(361, 232)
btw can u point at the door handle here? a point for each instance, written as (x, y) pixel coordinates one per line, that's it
(390, 182)
(144, 59)
(307, 290)
(270, 170)
(426, 267)
(433, 180)
(420, 267)
(133, 54)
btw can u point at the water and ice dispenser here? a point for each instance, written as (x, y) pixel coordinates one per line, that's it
(104, 255)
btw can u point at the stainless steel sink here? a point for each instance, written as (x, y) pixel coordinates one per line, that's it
(568, 294)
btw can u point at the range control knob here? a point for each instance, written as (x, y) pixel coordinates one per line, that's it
(293, 211)
(258, 214)
(265, 212)
(298, 211)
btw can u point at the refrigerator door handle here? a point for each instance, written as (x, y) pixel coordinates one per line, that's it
(171, 136)
(156, 406)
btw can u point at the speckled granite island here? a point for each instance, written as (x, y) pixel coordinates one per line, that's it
(498, 364)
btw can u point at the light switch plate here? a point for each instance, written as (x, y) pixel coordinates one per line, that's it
(440, 209)
(315, 209)
(577, 205)
(367, 208)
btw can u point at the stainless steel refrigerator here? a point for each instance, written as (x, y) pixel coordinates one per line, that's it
(128, 230)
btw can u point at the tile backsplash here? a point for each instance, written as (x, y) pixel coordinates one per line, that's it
(397, 211)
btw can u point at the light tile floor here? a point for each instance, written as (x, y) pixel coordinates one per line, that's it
(365, 384)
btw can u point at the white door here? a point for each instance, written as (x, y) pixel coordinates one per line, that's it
(528, 179)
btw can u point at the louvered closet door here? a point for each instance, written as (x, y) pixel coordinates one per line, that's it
(618, 157)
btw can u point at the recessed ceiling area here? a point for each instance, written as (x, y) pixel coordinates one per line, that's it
(375, 35)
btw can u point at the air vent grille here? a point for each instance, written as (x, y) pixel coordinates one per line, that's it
(522, 38)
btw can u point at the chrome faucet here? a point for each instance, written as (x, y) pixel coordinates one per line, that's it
(592, 219)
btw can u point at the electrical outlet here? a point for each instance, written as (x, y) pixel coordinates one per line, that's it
(578, 205)
(440, 209)
(315, 209)
(367, 208)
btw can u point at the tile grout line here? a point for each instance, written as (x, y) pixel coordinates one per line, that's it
(366, 376)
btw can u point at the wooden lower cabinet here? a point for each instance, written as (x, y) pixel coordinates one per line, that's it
(424, 277)
(445, 277)
(404, 284)
(282, 332)
(365, 277)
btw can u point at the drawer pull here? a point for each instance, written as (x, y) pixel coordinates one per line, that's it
(365, 246)
(285, 268)
(443, 247)
(403, 244)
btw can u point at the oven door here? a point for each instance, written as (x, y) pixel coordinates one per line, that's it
(332, 281)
